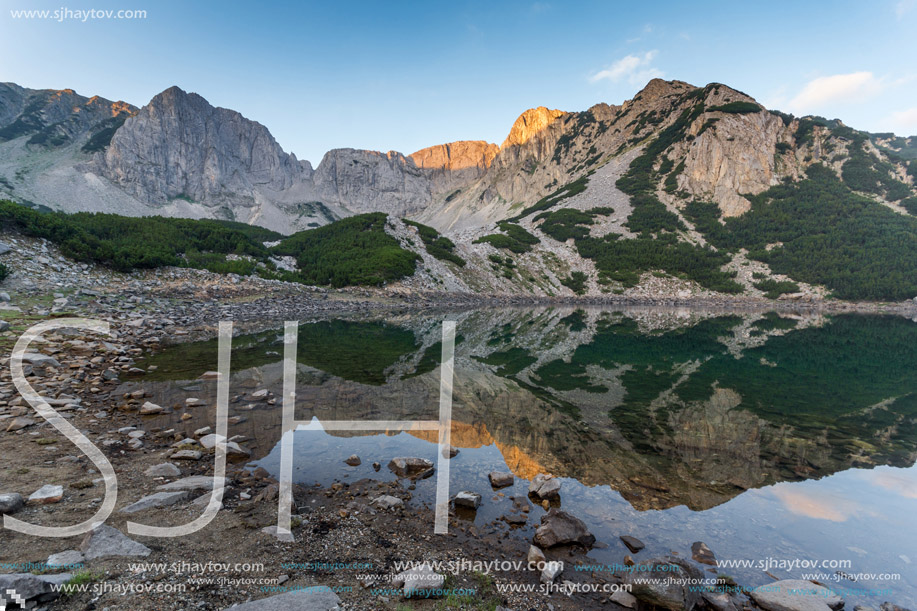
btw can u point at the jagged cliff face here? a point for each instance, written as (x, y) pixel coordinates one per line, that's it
(53, 118)
(179, 146)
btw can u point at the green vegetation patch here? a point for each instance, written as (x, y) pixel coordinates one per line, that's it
(576, 282)
(438, 246)
(4, 272)
(514, 239)
(624, 260)
(354, 250)
(569, 223)
(549, 201)
(736, 108)
(127, 243)
(856, 247)
(775, 288)
(866, 173)
(650, 216)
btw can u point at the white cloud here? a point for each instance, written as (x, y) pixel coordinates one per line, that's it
(635, 69)
(903, 7)
(836, 89)
(905, 120)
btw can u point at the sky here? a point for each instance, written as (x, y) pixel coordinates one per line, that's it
(405, 75)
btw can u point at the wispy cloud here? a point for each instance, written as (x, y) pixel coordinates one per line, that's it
(634, 69)
(903, 7)
(836, 89)
(904, 121)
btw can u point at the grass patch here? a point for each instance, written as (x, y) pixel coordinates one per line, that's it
(736, 108)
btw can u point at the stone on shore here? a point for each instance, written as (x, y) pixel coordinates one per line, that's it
(165, 469)
(387, 501)
(545, 487)
(65, 559)
(560, 528)
(409, 466)
(149, 409)
(551, 571)
(703, 554)
(633, 543)
(106, 542)
(664, 584)
(31, 589)
(469, 500)
(420, 581)
(795, 595)
(47, 494)
(501, 480)
(195, 482)
(158, 499)
(317, 598)
(10, 503)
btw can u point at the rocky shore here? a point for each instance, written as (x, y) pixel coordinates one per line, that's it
(348, 537)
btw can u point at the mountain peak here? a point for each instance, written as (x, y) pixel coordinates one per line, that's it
(530, 123)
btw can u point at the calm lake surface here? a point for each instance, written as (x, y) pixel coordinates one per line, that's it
(769, 437)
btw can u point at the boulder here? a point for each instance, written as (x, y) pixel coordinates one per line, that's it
(535, 557)
(545, 487)
(186, 455)
(105, 542)
(501, 480)
(5, 248)
(795, 595)
(662, 583)
(560, 528)
(10, 503)
(28, 587)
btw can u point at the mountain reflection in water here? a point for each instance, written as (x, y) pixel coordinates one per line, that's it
(659, 420)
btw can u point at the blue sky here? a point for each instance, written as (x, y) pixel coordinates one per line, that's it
(405, 75)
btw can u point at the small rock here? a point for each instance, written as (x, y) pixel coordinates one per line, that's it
(421, 581)
(501, 480)
(165, 469)
(17, 424)
(633, 543)
(387, 501)
(158, 499)
(47, 494)
(624, 599)
(195, 482)
(795, 595)
(409, 467)
(546, 487)
(535, 557)
(148, 409)
(469, 500)
(551, 571)
(353, 460)
(561, 528)
(703, 554)
(66, 559)
(186, 455)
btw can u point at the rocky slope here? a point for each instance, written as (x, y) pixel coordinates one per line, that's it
(674, 142)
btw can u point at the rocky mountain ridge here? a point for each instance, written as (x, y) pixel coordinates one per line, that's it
(566, 183)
